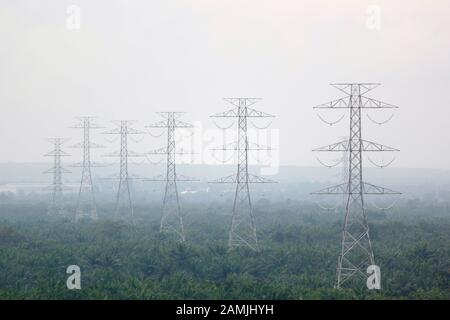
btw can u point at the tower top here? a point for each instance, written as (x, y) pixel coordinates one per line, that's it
(355, 87)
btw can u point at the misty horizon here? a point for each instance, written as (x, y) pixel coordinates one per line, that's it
(128, 62)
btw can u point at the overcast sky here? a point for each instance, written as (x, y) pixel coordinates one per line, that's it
(130, 59)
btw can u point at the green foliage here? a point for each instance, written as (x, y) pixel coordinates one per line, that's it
(297, 260)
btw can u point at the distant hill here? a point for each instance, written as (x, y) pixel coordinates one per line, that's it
(293, 181)
(33, 172)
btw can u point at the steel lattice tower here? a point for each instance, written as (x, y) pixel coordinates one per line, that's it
(124, 205)
(86, 206)
(56, 206)
(172, 219)
(243, 229)
(356, 247)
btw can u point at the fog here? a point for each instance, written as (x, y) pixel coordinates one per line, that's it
(131, 59)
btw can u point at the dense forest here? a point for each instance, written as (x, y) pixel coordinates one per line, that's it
(299, 250)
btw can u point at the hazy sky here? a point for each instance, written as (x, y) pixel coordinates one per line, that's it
(130, 59)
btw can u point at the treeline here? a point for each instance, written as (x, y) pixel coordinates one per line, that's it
(297, 260)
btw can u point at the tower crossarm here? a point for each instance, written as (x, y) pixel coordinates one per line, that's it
(366, 188)
(181, 151)
(236, 101)
(159, 124)
(126, 130)
(373, 146)
(59, 153)
(232, 113)
(57, 169)
(337, 189)
(86, 123)
(369, 103)
(228, 146)
(91, 164)
(88, 126)
(257, 147)
(159, 177)
(163, 178)
(164, 151)
(170, 120)
(250, 113)
(347, 87)
(369, 188)
(366, 145)
(129, 154)
(164, 124)
(91, 145)
(366, 103)
(341, 103)
(182, 124)
(227, 179)
(339, 146)
(257, 179)
(181, 177)
(170, 114)
(251, 146)
(253, 113)
(251, 179)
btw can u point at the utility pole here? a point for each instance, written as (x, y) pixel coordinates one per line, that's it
(56, 206)
(86, 206)
(124, 205)
(172, 219)
(243, 229)
(356, 247)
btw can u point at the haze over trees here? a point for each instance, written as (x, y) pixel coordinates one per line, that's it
(300, 245)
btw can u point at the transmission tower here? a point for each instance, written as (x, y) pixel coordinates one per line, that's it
(56, 206)
(243, 229)
(124, 206)
(86, 206)
(172, 219)
(356, 247)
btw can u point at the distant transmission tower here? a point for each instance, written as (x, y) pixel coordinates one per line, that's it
(172, 219)
(56, 206)
(243, 229)
(124, 206)
(86, 206)
(356, 247)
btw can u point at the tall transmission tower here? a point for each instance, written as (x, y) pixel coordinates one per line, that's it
(56, 206)
(356, 247)
(172, 219)
(243, 228)
(86, 206)
(124, 206)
